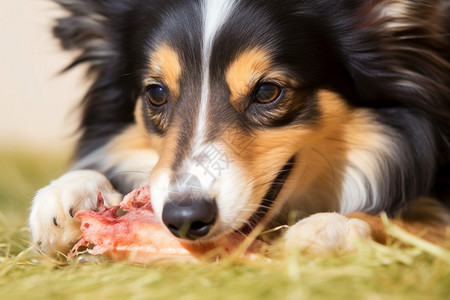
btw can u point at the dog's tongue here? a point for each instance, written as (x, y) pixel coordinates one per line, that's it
(138, 236)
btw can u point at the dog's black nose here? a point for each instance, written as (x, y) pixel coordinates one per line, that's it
(190, 219)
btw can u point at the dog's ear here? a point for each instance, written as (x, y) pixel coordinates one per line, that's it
(397, 50)
(93, 31)
(86, 30)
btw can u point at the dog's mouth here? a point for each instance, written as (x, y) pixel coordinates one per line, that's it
(269, 198)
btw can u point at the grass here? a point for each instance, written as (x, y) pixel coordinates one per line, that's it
(376, 272)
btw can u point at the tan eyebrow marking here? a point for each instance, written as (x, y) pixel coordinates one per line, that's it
(245, 71)
(165, 64)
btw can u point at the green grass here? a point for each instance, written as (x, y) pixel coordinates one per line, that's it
(375, 272)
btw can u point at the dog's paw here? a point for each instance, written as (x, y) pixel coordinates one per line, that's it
(326, 233)
(53, 225)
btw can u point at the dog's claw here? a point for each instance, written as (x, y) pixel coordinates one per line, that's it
(71, 212)
(54, 222)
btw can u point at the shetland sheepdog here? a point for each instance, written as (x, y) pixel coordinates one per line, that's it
(248, 113)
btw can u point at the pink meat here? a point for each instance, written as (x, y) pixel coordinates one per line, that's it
(138, 236)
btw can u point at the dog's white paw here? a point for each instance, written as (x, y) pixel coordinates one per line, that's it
(326, 233)
(53, 226)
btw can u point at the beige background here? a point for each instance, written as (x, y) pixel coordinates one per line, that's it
(37, 107)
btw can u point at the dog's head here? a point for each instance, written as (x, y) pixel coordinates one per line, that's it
(238, 96)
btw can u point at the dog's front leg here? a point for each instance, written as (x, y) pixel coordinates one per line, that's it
(332, 233)
(53, 225)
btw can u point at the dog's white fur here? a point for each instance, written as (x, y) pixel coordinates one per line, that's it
(326, 233)
(53, 227)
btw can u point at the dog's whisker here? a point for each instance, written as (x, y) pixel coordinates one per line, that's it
(330, 165)
(119, 173)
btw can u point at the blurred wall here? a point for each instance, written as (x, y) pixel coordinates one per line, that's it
(37, 107)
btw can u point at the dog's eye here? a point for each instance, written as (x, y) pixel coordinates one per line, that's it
(267, 92)
(157, 95)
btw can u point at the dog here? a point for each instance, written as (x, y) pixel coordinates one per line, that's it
(245, 113)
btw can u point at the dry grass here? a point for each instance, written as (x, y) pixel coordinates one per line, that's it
(420, 271)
